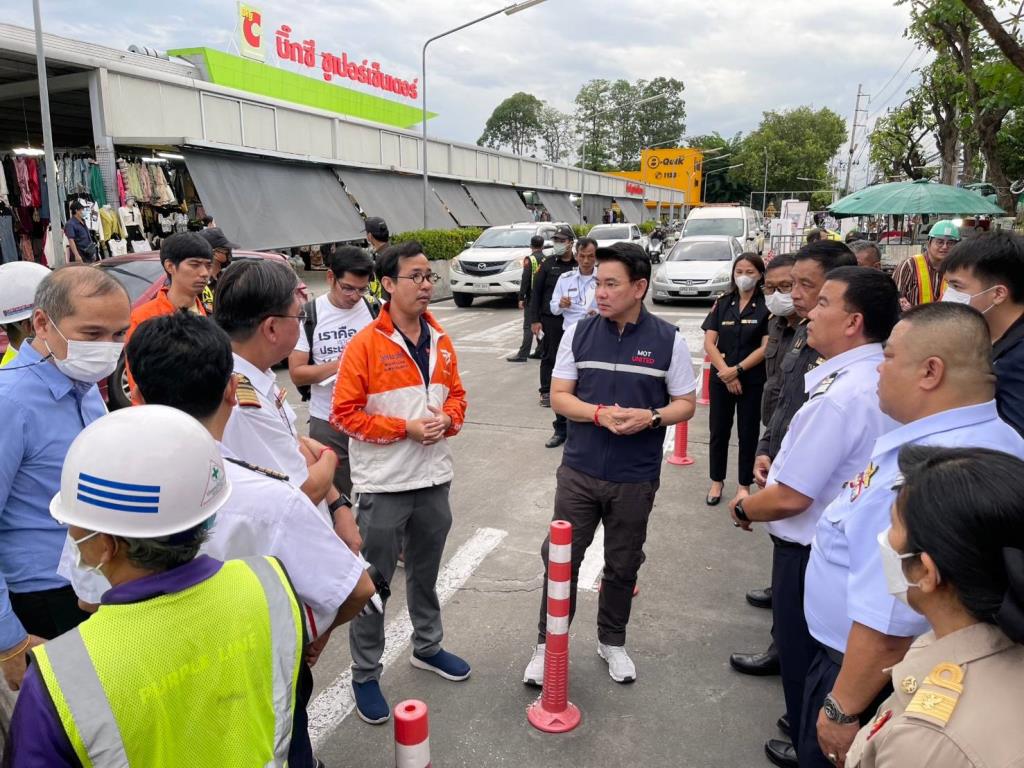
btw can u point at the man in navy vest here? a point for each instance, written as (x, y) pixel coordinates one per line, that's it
(621, 377)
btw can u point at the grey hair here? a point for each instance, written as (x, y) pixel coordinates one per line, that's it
(164, 554)
(57, 292)
(863, 245)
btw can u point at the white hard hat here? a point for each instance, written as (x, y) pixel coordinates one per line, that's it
(18, 283)
(142, 472)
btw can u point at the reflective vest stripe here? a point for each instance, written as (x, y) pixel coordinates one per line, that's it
(924, 281)
(284, 642)
(99, 738)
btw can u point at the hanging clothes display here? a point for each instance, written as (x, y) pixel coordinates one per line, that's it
(96, 189)
(8, 243)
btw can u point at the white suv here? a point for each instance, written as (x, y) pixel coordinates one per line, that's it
(493, 265)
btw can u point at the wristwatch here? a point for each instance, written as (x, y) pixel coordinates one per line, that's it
(740, 514)
(341, 501)
(655, 418)
(835, 713)
(739, 367)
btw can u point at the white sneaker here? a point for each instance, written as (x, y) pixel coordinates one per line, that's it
(534, 674)
(620, 666)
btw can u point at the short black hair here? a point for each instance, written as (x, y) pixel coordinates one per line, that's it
(185, 245)
(181, 360)
(585, 242)
(251, 291)
(207, 220)
(965, 508)
(782, 260)
(350, 259)
(994, 257)
(874, 295)
(829, 254)
(634, 258)
(389, 258)
(536, 242)
(864, 245)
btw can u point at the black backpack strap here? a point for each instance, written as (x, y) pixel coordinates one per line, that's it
(373, 306)
(309, 324)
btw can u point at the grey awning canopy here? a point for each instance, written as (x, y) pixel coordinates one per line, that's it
(264, 204)
(594, 207)
(559, 206)
(501, 205)
(395, 198)
(632, 209)
(454, 195)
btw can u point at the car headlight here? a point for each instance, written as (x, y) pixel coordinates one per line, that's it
(659, 275)
(457, 266)
(514, 264)
(722, 277)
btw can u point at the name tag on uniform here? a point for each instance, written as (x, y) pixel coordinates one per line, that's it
(728, 322)
(749, 322)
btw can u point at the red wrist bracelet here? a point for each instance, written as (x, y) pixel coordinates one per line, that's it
(597, 412)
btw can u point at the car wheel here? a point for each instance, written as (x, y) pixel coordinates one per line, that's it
(463, 299)
(118, 390)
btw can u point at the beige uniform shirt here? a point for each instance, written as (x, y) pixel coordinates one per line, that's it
(956, 702)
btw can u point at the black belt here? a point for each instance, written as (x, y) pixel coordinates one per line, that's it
(788, 544)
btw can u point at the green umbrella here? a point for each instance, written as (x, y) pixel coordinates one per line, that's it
(914, 197)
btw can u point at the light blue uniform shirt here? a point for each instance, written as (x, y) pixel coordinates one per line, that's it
(830, 438)
(582, 293)
(41, 412)
(845, 581)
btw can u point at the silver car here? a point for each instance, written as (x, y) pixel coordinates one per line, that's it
(698, 267)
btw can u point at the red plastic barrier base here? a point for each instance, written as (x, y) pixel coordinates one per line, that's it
(705, 393)
(680, 456)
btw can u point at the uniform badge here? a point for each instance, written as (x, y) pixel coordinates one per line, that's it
(908, 684)
(246, 394)
(937, 697)
(857, 486)
(827, 382)
(880, 721)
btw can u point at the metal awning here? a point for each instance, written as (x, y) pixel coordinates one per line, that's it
(594, 207)
(559, 206)
(632, 209)
(501, 205)
(454, 195)
(396, 198)
(263, 204)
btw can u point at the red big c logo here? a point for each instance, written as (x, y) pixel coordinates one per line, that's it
(252, 27)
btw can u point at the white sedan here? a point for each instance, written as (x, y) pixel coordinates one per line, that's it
(609, 234)
(698, 267)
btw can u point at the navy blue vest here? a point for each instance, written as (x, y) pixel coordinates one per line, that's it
(629, 370)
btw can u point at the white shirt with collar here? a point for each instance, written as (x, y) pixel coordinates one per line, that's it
(581, 290)
(266, 436)
(831, 437)
(845, 582)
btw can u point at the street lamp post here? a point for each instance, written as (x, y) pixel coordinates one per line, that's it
(57, 242)
(764, 194)
(704, 191)
(508, 10)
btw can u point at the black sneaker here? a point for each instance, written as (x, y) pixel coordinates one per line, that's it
(516, 359)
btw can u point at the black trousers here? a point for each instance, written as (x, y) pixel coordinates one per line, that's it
(528, 337)
(323, 431)
(552, 338)
(300, 751)
(624, 509)
(821, 678)
(48, 613)
(792, 638)
(747, 408)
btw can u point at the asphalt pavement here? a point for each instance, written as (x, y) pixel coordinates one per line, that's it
(687, 707)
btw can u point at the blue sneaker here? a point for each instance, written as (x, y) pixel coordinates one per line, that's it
(371, 706)
(447, 665)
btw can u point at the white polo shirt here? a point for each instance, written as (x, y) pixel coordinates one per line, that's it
(831, 437)
(845, 581)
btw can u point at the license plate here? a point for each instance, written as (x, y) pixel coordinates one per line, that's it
(686, 292)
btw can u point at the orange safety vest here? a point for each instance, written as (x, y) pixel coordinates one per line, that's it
(924, 281)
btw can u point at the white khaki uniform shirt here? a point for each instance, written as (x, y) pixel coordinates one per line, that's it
(831, 437)
(845, 582)
(581, 290)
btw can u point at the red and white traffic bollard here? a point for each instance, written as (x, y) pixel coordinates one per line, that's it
(412, 735)
(553, 712)
(680, 456)
(705, 396)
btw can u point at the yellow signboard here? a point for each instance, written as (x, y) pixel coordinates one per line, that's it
(675, 167)
(250, 29)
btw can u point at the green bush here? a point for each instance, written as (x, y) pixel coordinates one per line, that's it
(582, 230)
(648, 226)
(440, 244)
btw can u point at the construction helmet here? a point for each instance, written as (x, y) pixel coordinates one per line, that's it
(143, 472)
(945, 229)
(18, 283)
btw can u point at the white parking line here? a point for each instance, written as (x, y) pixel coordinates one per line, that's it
(497, 332)
(593, 563)
(336, 702)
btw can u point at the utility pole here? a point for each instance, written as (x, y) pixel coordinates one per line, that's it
(853, 134)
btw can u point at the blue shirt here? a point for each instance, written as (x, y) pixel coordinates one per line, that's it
(845, 581)
(41, 412)
(78, 232)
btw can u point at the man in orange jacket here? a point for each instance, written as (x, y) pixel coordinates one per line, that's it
(399, 397)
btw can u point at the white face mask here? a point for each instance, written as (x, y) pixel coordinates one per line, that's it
(959, 297)
(779, 304)
(892, 565)
(559, 248)
(87, 361)
(77, 553)
(746, 283)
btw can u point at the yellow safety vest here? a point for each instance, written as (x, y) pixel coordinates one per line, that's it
(924, 281)
(9, 354)
(203, 678)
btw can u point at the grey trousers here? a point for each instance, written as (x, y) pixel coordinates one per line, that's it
(323, 431)
(421, 519)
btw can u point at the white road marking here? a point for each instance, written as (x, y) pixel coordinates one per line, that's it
(336, 702)
(497, 332)
(460, 348)
(593, 563)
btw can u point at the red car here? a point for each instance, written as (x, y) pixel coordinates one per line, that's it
(143, 276)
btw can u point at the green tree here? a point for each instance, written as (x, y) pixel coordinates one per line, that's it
(595, 124)
(896, 140)
(796, 143)
(557, 133)
(728, 186)
(515, 124)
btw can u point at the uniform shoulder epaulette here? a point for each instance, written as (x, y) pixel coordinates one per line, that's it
(246, 394)
(827, 382)
(937, 696)
(271, 473)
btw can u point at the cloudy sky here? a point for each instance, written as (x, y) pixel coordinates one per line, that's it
(736, 57)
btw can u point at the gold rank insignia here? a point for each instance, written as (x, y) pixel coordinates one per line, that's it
(827, 382)
(859, 483)
(246, 394)
(938, 695)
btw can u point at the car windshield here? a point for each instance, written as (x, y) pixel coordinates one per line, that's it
(690, 250)
(135, 276)
(610, 233)
(505, 238)
(730, 227)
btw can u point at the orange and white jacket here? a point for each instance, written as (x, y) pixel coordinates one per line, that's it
(379, 388)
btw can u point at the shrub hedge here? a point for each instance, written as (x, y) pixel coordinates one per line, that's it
(440, 244)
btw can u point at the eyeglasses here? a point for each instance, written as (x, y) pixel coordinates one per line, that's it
(301, 317)
(352, 291)
(419, 277)
(943, 243)
(768, 290)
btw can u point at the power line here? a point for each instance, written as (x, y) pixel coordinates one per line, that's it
(881, 90)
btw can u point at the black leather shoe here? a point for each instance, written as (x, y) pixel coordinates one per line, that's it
(762, 664)
(535, 356)
(516, 359)
(760, 598)
(712, 501)
(555, 441)
(781, 753)
(783, 725)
